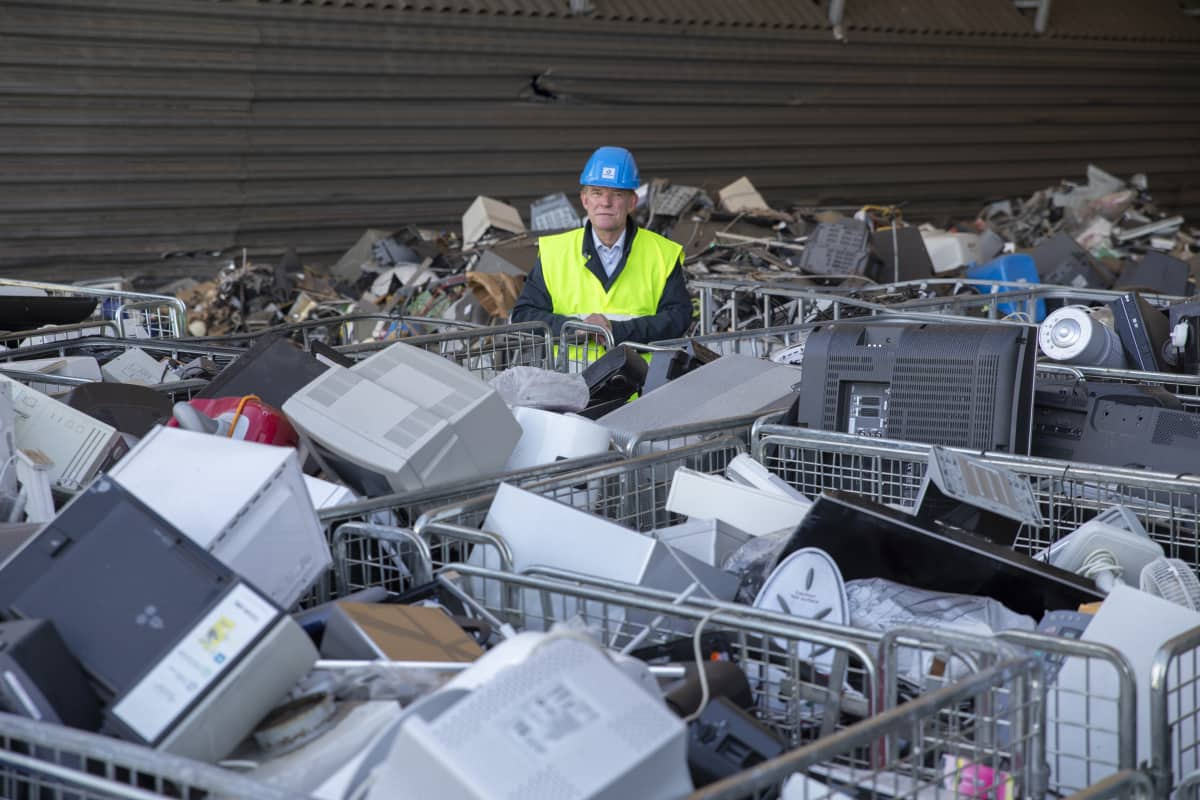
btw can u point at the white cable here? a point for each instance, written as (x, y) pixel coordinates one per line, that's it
(1102, 566)
(699, 656)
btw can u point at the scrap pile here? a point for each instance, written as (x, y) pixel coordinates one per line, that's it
(836, 559)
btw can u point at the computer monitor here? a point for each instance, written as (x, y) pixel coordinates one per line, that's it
(868, 540)
(187, 656)
(1121, 425)
(78, 445)
(566, 722)
(246, 503)
(405, 419)
(964, 385)
(273, 369)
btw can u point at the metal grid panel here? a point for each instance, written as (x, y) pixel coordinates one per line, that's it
(1127, 784)
(1185, 387)
(48, 762)
(1175, 714)
(580, 344)
(886, 471)
(632, 493)
(760, 343)
(151, 315)
(341, 329)
(104, 347)
(1080, 718)
(1087, 719)
(361, 561)
(672, 438)
(944, 743)
(484, 351)
(791, 699)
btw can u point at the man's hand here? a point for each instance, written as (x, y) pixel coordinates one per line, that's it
(598, 319)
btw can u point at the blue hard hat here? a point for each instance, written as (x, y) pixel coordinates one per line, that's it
(613, 167)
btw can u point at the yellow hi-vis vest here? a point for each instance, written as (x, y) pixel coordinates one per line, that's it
(575, 291)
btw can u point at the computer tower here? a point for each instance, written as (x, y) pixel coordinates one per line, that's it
(245, 503)
(80, 446)
(1143, 331)
(957, 385)
(187, 656)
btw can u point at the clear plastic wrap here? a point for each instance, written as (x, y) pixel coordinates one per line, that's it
(881, 605)
(541, 388)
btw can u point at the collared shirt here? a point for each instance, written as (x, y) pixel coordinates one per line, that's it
(610, 257)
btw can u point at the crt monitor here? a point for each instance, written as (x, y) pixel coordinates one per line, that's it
(189, 656)
(868, 540)
(964, 385)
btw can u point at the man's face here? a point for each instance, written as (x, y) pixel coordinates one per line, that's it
(607, 209)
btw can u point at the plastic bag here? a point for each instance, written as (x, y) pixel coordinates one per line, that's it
(541, 388)
(880, 605)
(753, 561)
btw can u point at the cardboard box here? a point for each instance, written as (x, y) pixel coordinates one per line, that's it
(485, 214)
(741, 196)
(396, 633)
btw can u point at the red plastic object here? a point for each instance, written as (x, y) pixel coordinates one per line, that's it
(258, 421)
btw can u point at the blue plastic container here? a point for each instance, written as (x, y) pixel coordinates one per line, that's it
(1017, 268)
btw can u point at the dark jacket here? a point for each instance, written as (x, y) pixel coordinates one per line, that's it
(671, 320)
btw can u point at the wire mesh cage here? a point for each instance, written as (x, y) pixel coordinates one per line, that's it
(891, 472)
(135, 314)
(43, 761)
(794, 700)
(483, 351)
(971, 738)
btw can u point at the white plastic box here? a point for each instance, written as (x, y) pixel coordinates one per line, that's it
(79, 445)
(244, 502)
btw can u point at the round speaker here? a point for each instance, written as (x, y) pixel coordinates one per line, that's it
(1076, 335)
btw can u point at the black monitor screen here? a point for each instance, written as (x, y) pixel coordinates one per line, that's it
(867, 540)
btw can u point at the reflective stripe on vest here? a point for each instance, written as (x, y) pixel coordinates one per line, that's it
(574, 290)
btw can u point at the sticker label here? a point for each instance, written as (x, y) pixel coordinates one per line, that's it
(550, 717)
(201, 657)
(608, 172)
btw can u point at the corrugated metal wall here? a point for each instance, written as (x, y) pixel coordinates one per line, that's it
(134, 128)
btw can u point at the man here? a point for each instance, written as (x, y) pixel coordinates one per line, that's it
(610, 272)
